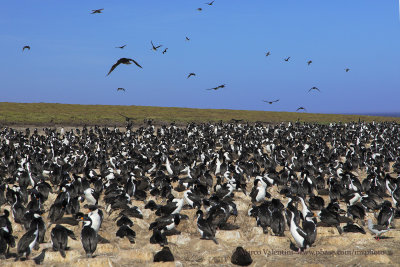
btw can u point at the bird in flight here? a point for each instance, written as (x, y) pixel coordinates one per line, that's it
(26, 47)
(270, 102)
(314, 88)
(210, 3)
(97, 11)
(187, 38)
(347, 69)
(122, 47)
(155, 47)
(123, 60)
(199, 9)
(127, 118)
(267, 54)
(301, 108)
(191, 74)
(218, 87)
(165, 50)
(120, 89)
(287, 59)
(309, 62)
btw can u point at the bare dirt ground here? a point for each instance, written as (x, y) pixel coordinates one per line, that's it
(330, 248)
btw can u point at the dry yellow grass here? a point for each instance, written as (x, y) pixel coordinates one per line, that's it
(72, 114)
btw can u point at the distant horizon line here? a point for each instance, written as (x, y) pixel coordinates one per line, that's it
(382, 114)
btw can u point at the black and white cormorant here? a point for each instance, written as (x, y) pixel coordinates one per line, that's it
(89, 237)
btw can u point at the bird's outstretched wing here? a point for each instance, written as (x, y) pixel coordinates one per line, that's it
(137, 64)
(113, 67)
(126, 117)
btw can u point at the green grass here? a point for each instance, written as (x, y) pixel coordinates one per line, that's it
(73, 115)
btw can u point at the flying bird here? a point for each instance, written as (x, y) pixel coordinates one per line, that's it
(347, 69)
(97, 11)
(199, 9)
(314, 88)
(287, 59)
(301, 108)
(270, 102)
(267, 54)
(127, 118)
(309, 62)
(155, 47)
(191, 74)
(123, 60)
(218, 87)
(121, 89)
(122, 47)
(165, 50)
(26, 47)
(210, 3)
(187, 38)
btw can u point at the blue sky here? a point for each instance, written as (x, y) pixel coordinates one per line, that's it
(73, 50)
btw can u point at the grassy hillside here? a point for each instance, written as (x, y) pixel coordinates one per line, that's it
(68, 114)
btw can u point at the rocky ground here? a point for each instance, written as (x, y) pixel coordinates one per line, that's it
(188, 249)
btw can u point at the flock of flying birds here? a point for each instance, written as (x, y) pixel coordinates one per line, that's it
(128, 61)
(312, 88)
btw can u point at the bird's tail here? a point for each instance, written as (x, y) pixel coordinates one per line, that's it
(215, 240)
(62, 252)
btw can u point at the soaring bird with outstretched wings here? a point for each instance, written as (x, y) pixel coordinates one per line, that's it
(301, 108)
(26, 47)
(218, 87)
(191, 74)
(97, 11)
(314, 88)
(127, 118)
(125, 61)
(121, 89)
(287, 59)
(270, 102)
(154, 47)
(122, 47)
